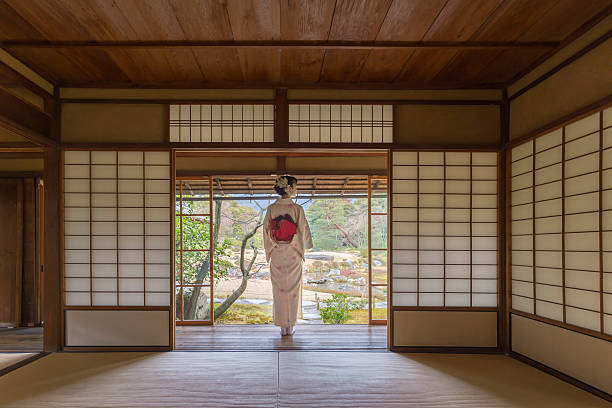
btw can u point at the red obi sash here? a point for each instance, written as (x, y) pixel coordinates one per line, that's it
(283, 228)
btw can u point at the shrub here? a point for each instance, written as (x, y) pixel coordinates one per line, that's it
(336, 310)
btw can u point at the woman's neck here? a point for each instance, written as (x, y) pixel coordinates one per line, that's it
(286, 196)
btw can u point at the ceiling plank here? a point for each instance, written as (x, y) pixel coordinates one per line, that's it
(358, 20)
(507, 64)
(260, 65)
(343, 65)
(254, 19)
(306, 19)
(15, 27)
(203, 19)
(564, 18)
(408, 20)
(460, 19)
(424, 65)
(301, 65)
(220, 65)
(153, 20)
(51, 19)
(384, 65)
(513, 18)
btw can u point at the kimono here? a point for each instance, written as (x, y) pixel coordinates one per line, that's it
(286, 239)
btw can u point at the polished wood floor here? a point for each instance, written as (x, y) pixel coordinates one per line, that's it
(268, 338)
(285, 379)
(26, 339)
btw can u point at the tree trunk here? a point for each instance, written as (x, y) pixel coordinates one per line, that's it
(343, 231)
(191, 304)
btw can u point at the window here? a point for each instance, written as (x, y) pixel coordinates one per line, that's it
(325, 123)
(117, 228)
(561, 206)
(227, 123)
(444, 229)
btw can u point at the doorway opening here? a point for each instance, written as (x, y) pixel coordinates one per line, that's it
(344, 277)
(21, 264)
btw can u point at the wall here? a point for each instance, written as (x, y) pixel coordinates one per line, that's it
(583, 357)
(448, 124)
(584, 81)
(10, 165)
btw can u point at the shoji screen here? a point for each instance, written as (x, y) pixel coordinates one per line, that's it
(444, 229)
(561, 221)
(324, 123)
(117, 226)
(222, 123)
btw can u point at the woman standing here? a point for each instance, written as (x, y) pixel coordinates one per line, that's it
(286, 239)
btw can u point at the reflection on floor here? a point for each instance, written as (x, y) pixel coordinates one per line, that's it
(21, 339)
(285, 379)
(267, 337)
(9, 359)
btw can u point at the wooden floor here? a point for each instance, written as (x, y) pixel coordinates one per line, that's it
(285, 379)
(27, 339)
(268, 338)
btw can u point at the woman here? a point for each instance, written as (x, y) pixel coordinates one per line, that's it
(286, 238)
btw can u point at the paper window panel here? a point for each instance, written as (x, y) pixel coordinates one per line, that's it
(549, 242)
(582, 127)
(522, 211)
(404, 299)
(548, 225)
(549, 208)
(206, 123)
(76, 271)
(405, 214)
(114, 209)
(583, 318)
(482, 286)
(521, 151)
(458, 172)
(520, 197)
(549, 310)
(521, 166)
(522, 181)
(522, 242)
(484, 159)
(548, 259)
(459, 158)
(523, 258)
(582, 222)
(404, 228)
(458, 299)
(484, 299)
(548, 191)
(324, 123)
(431, 200)
(582, 165)
(548, 158)
(549, 140)
(549, 293)
(582, 280)
(78, 298)
(587, 241)
(522, 273)
(455, 197)
(547, 174)
(523, 304)
(404, 271)
(582, 260)
(523, 227)
(607, 156)
(405, 172)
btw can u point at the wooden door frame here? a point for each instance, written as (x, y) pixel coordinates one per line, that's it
(19, 255)
(280, 154)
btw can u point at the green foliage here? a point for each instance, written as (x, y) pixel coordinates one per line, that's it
(337, 309)
(350, 214)
(196, 235)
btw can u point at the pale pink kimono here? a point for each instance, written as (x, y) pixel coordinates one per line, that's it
(286, 260)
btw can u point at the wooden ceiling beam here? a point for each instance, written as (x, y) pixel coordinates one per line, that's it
(25, 120)
(316, 45)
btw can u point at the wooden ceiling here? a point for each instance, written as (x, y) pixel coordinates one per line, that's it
(301, 43)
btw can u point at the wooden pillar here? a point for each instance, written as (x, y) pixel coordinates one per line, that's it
(504, 284)
(281, 125)
(51, 268)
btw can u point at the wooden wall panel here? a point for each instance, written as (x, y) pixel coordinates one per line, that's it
(448, 124)
(583, 82)
(115, 328)
(113, 123)
(21, 165)
(583, 357)
(11, 246)
(445, 329)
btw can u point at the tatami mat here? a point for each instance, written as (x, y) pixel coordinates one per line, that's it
(8, 359)
(285, 379)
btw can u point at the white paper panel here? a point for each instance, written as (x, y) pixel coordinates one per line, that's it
(548, 157)
(549, 140)
(550, 276)
(582, 318)
(444, 223)
(582, 127)
(522, 304)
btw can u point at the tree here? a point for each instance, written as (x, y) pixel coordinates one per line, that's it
(196, 268)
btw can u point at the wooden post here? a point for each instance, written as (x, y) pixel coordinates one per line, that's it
(52, 339)
(503, 221)
(281, 124)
